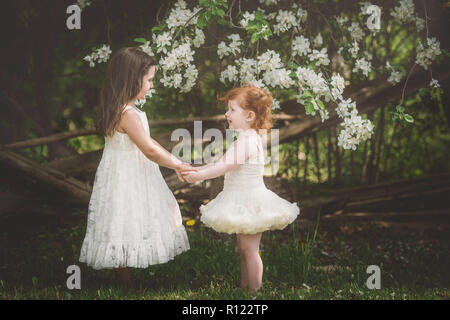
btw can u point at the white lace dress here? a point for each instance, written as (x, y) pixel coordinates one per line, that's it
(245, 205)
(133, 219)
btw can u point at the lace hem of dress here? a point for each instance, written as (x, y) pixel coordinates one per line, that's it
(136, 254)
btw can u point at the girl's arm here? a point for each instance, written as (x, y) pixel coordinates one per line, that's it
(205, 166)
(236, 155)
(132, 125)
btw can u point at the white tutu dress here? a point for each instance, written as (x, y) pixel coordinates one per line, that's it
(245, 205)
(133, 219)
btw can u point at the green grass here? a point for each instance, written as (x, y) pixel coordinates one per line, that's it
(326, 261)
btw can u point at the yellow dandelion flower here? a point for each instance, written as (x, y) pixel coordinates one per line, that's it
(190, 222)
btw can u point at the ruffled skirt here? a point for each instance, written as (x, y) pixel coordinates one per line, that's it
(248, 210)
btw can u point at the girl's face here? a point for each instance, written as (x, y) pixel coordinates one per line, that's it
(147, 82)
(237, 117)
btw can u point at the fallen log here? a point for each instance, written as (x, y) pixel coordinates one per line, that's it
(354, 198)
(76, 191)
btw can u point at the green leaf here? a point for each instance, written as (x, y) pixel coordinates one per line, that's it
(159, 28)
(292, 65)
(223, 3)
(221, 13)
(422, 91)
(320, 104)
(259, 15)
(309, 108)
(201, 21)
(306, 93)
(252, 27)
(141, 40)
(400, 109)
(403, 70)
(409, 118)
(255, 37)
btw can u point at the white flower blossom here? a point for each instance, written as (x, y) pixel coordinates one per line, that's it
(356, 32)
(278, 78)
(230, 74)
(434, 83)
(341, 20)
(247, 16)
(276, 104)
(404, 12)
(354, 49)
(321, 57)
(318, 40)
(338, 85)
(146, 47)
(285, 21)
(420, 24)
(300, 46)
(307, 77)
(302, 15)
(268, 2)
(395, 76)
(426, 56)
(269, 60)
(364, 5)
(99, 55)
(232, 48)
(355, 131)
(363, 65)
(199, 38)
(83, 4)
(180, 16)
(162, 40)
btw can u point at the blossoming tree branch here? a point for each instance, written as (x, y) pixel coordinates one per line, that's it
(284, 46)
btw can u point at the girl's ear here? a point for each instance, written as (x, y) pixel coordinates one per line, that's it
(251, 116)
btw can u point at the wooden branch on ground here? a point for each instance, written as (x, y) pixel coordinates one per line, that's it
(76, 190)
(408, 216)
(380, 193)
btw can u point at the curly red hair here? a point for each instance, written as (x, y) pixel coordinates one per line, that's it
(251, 98)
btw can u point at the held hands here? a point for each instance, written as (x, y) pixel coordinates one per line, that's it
(184, 167)
(191, 175)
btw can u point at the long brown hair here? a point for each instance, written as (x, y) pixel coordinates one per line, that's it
(122, 83)
(251, 98)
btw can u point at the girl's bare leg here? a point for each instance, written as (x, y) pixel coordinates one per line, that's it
(123, 277)
(244, 279)
(249, 248)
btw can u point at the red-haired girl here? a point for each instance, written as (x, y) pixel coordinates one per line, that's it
(245, 206)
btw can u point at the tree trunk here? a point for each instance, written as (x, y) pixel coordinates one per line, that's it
(367, 164)
(305, 174)
(388, 148)
(316, 154)
(380, 145)
(329, 152)
(352, 167)
(373, 147)
(338, 159)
